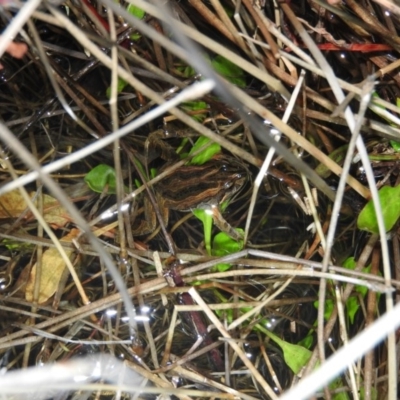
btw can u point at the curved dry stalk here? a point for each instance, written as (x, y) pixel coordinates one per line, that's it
(267, 162)
(150, 95)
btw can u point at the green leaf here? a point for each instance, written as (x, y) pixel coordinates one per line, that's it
(204, 215)
(227, 314)
(194, 105)
(223, 245)
(352, 306)
(308, 341)
(222, 267)
(328, 308)
(191, 106)
(375, 95)
(206, 218)
(223, 206)
(395, 145)
(135, 37)
(350, 263)
(135, 11)
(206, 154)
(336, 384)
(121, 84)
(338, 156)
(353, 302)
(390, 202)
(15, 245)
(100, 177)
(229, 70)
(296, 357)
(187, 71)
(140, 167)
(153, 173)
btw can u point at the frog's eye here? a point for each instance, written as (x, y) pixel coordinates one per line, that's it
(228, 184)
(237, 176)
(224, 167)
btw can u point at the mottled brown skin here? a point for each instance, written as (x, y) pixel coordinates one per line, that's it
(194, 186)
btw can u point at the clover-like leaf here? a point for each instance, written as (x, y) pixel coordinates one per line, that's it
(223, 245)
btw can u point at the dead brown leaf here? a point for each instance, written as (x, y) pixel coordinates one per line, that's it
(12, 205)
(53, 267)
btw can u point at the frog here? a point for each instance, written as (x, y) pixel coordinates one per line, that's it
(191, 187)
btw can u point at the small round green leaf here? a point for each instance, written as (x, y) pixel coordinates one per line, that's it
(101, 176)
(389, 198)
(223, 245)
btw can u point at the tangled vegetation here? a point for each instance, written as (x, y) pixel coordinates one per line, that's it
(199, 199)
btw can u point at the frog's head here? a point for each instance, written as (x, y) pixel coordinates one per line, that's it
(235, 175)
